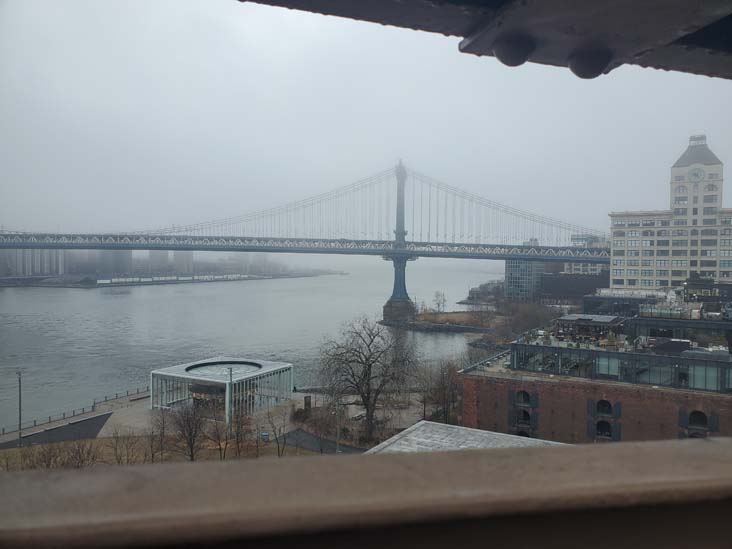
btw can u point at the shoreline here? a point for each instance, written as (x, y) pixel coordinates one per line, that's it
(141, 281)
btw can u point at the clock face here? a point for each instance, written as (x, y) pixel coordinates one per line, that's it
(696, 174)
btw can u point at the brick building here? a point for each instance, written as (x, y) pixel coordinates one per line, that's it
(565, 409)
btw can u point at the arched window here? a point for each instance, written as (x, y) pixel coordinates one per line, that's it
(711, 187)
(681, 189)
(698, 419)
(523, 398)
(604, 408)
(523, 418)
(603, 429)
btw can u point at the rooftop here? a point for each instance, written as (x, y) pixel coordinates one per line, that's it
(697, 153)
(427, 436)
(595, 319)
(216, 369)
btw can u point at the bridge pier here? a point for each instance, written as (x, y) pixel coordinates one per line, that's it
(399, 308)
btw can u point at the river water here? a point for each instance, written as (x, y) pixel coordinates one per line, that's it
(73, 345)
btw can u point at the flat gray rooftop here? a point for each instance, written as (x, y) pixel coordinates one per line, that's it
(427, 436)
(216, 369)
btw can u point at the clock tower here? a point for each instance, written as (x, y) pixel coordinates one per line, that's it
(696, 182)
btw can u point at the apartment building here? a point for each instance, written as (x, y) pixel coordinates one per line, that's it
(661, 248)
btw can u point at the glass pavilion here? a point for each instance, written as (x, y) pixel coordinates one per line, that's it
(226, 385)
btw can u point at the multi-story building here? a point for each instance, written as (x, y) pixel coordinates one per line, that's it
(587, 241)
(33, 262)
(183, 262)
(592, 378)
(655, 249)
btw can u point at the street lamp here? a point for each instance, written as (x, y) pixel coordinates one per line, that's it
(20, 408)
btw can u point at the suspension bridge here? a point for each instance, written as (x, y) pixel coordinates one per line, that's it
(417, 217)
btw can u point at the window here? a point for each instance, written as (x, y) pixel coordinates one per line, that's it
(647, 262)
(708, 253)
(721, 253)
(709, 242)
(618, 233)
(708, 263)
(709, 210)
(632, 272)
(646, 242)
(709, 232)
(695, 211)
(618, 223)
(681, 200)
(679, 253)
(692, 263)
(680, 222)
(618, 282)
(633, 253)
(604, 408)
(698, 419)
(618, 243)
(708, 198)
(679, 263)
(725, 263)
(523, 398)
(726, 221)
(661, 242)
(665, 223)
(709, 221)
(711, 187)
(694, 232)
(662, 232)
(725, 274)
(618, 272)
(647, 253)
(661, 283)
(632, 282)
(679, 232)
(523, 417)
(634, 223)
(649, 223)
(725, 242)
(681, 189)
(661, 262)
(680, 243)
(633, 263)
(726, 231)
(662, 252)
(603, 430)
(619, 252)
(618, 262)
(646, 282)
(662, 272)
(681, 211)
(646, 272)
(678, 273)
(632, 233)
(647, 233)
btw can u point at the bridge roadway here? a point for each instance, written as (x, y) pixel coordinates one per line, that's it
(385, 248)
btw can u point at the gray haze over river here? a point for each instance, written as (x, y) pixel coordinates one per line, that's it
(73, 345)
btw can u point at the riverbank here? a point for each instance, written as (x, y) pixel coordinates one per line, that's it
(89, 283)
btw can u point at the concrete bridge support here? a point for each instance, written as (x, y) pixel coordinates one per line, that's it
(399, 308)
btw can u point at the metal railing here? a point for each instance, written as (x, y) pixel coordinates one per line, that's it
(75, 412)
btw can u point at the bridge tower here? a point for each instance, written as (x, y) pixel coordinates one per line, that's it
(399, 308)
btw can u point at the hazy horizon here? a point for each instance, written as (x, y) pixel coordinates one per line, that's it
(135, 115)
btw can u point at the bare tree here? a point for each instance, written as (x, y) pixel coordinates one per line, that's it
(124, 446)
(368, 360)
(241, 430)
(277, 419)
(161, 427)
(188, 424)
(424, 384)
(446, 391)
(218, 432)
(80, 453)
(440, 302)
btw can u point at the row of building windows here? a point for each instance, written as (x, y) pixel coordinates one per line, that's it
(675, 232)
(708, 199)
(666, 223)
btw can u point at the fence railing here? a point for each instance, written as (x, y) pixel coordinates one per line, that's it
(59, 416)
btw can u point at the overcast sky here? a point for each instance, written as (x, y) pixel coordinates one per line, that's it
(126, 115)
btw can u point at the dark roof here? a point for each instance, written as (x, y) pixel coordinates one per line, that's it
(697, 153)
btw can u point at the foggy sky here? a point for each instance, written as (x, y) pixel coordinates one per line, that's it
(127, 115)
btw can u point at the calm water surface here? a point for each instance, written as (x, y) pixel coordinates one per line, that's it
(73, 345)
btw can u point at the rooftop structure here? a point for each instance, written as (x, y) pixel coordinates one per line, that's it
(224, 384)
(427, 436)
